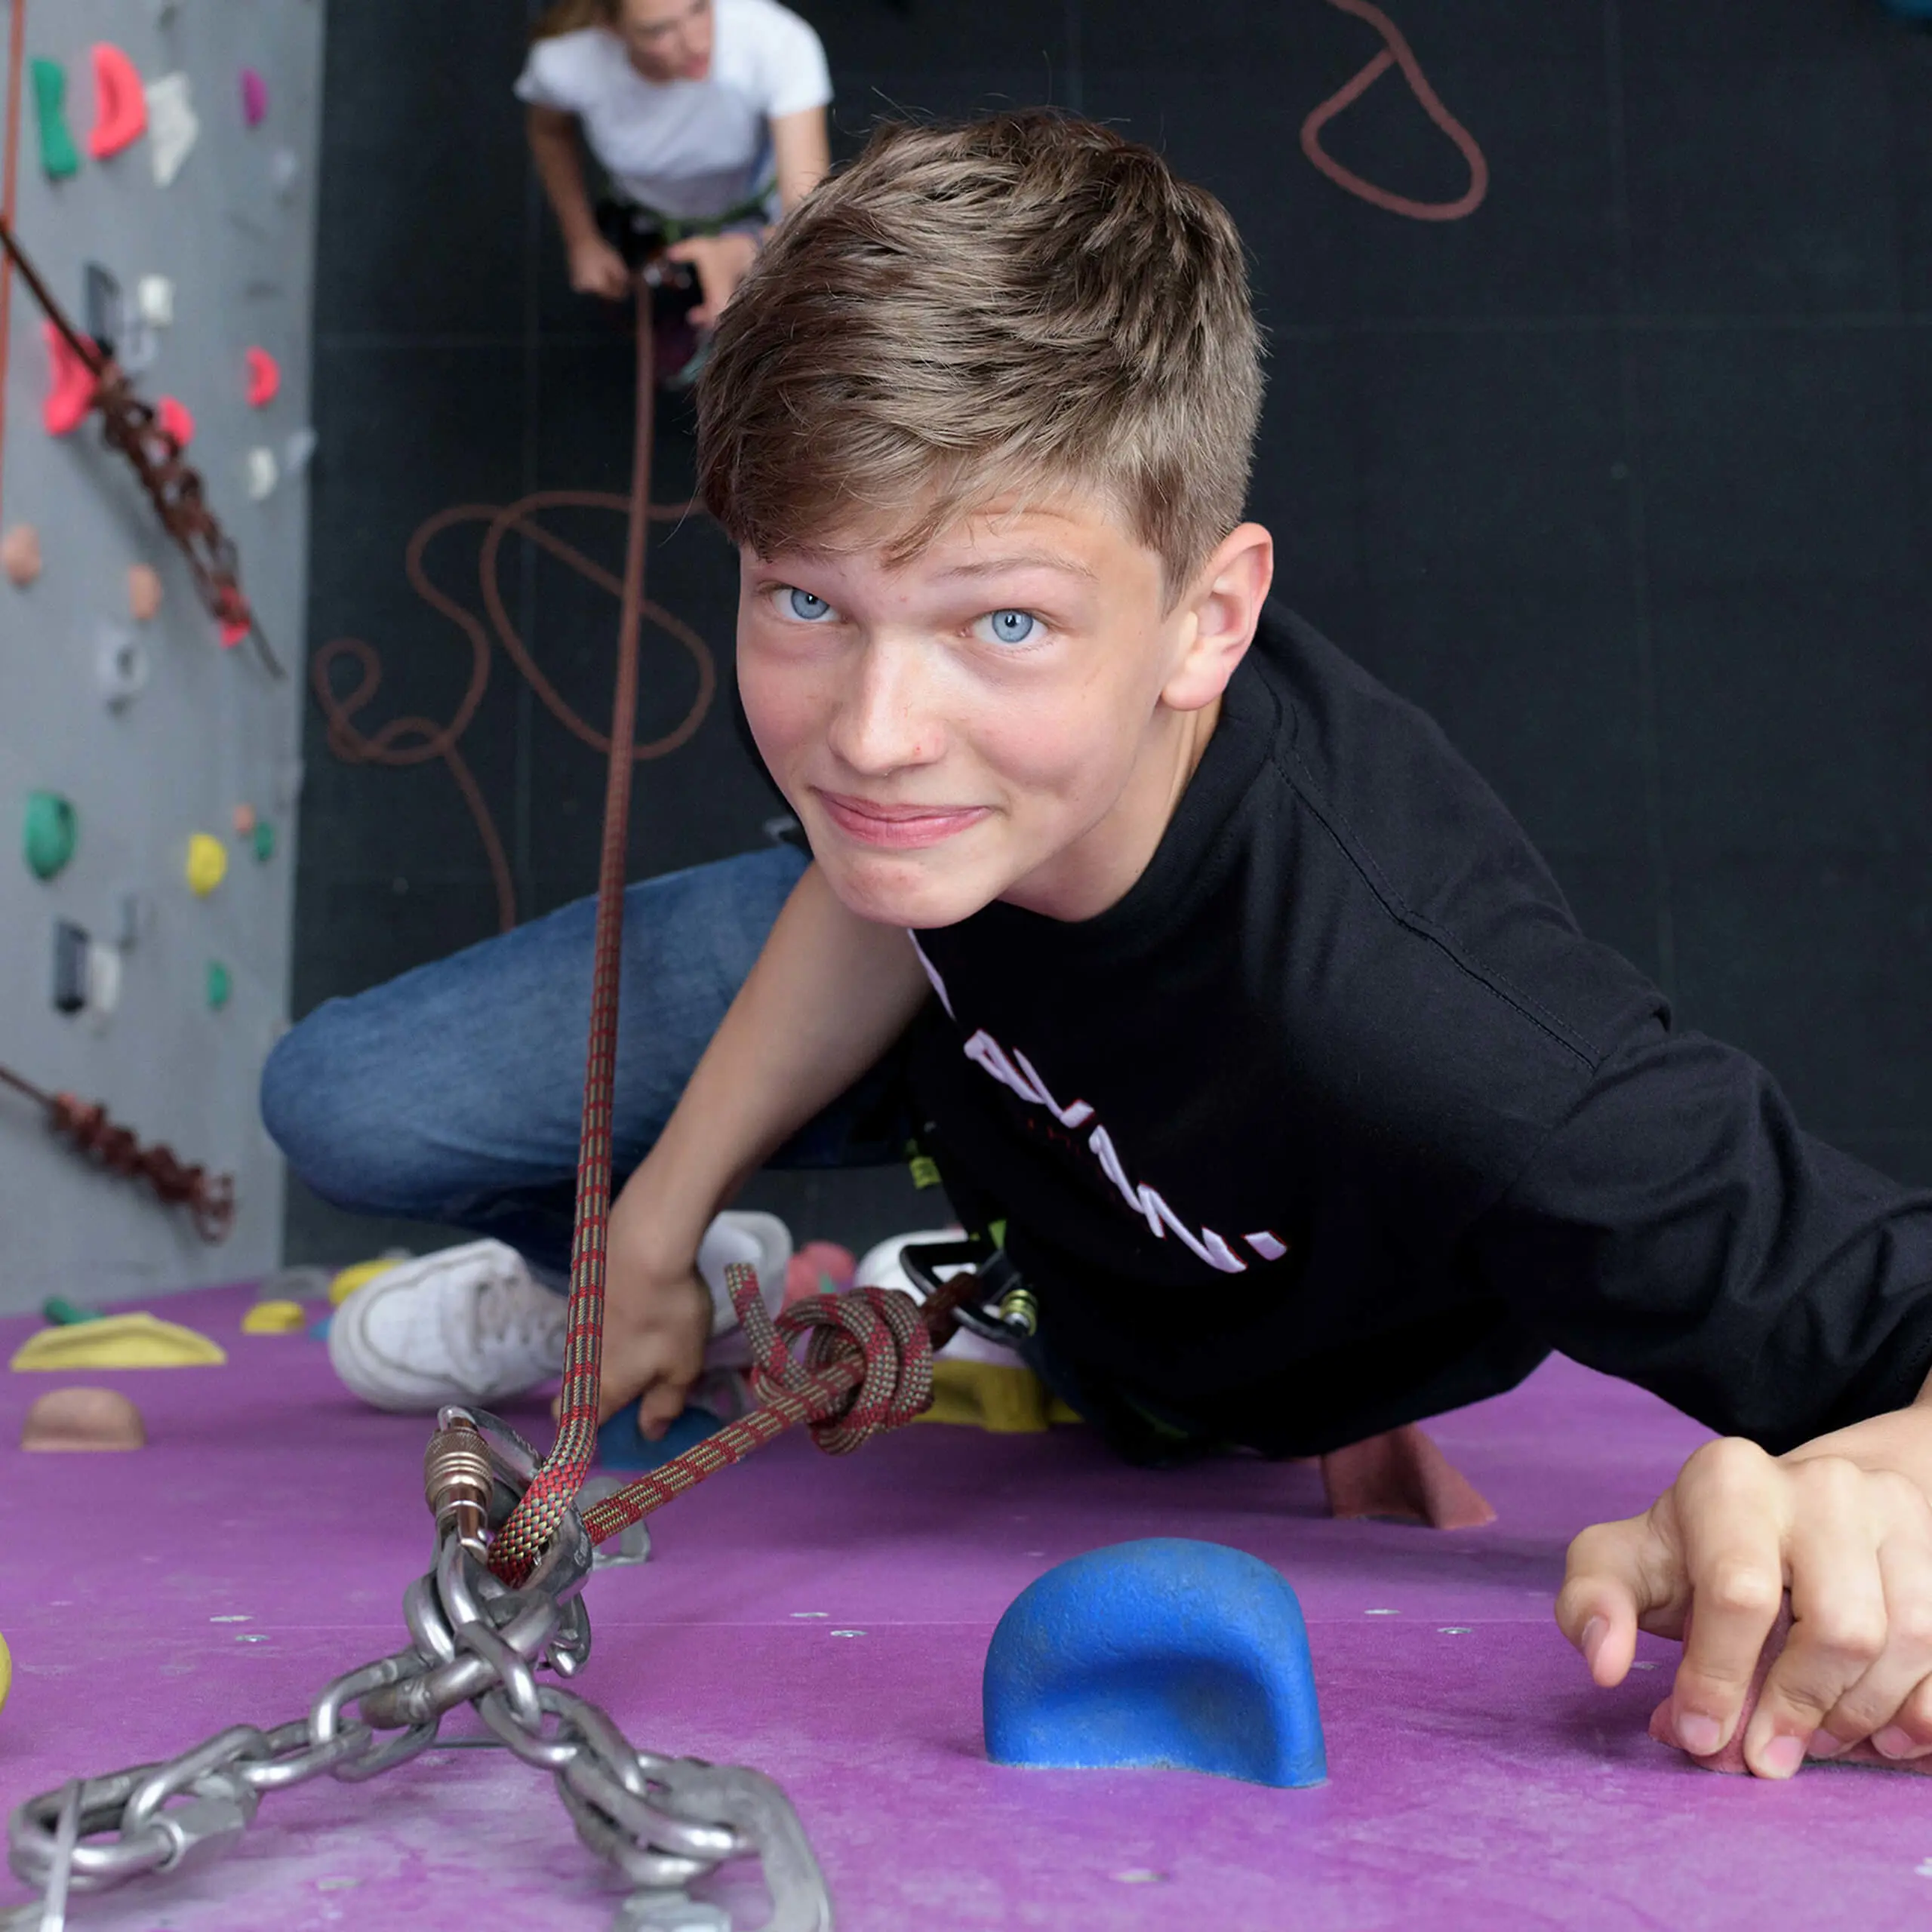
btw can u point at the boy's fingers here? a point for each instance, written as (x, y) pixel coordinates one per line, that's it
(1607, 1588)
(1909, 1733)
(1730, 1505)
(1876, 1700)
(1838, 1609)
(662, 1404)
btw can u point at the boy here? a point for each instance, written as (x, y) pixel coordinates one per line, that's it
(1203, 964)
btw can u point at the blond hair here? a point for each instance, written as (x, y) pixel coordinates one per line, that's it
(1006, 307)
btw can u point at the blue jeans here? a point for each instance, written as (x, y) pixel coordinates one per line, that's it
(455, 1093)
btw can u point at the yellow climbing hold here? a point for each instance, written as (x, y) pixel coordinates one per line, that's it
(207, 863)
(118, 1341)
(350, 1279)
(1007, 1399)
(274, 1318)
(6, 1673)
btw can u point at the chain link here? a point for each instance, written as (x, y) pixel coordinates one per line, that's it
(664, 1822)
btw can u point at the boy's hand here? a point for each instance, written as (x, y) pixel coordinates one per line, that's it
(722, 262)
(1738, 1528)
(597, 269)
(657, 1322)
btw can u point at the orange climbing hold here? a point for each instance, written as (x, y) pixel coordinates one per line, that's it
(72, 396)
(143, 591)
(19, 555)
(120, 102)
(264, 379)
(1397, 53)
(174, 419)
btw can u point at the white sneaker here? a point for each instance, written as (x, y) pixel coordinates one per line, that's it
(741, 1234)
(464, 1324)
(884, 1267)
(472, 1324)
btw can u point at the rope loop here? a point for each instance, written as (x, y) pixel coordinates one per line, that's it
(879, 1326)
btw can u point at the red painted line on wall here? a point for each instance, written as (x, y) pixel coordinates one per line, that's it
(1396, 52)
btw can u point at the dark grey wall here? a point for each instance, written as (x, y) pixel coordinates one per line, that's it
(1628, 476)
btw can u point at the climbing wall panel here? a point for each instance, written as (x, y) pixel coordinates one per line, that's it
(162, 179)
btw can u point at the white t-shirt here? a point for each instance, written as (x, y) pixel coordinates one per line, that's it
(690, 148)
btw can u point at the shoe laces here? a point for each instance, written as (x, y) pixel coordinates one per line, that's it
(509, 1315)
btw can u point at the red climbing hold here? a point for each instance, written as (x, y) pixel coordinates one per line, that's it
(174, 419)
(120, 103)
(72, 396)
(264, 379)
(232, 613)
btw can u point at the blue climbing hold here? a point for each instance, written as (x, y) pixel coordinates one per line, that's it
(1912, 10)
(621, 1445)
(1165, 1652)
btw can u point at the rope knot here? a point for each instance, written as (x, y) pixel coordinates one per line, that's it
(879, 1326)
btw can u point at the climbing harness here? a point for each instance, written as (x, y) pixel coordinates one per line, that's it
(513, 1551)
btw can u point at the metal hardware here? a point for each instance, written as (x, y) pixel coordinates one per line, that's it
(1001, 1308)
(457, 1482)
(664, 1822)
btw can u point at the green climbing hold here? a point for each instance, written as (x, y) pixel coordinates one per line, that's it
(264, 839)
(221, 984)
(58, 154)
(53, 829)
(61, 1313)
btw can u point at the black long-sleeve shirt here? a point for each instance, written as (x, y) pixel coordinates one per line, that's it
(1336, 1121)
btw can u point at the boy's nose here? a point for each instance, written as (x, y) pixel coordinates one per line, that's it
(884, 721)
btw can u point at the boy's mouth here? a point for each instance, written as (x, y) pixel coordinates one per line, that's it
(901, 827)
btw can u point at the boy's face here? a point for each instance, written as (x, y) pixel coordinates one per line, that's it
(1010, 714)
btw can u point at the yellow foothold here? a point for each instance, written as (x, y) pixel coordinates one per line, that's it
(274, 1318)
(207, 863)
(6, 1673)
(1007, 1400)
(118, 1341)
(350, 1279)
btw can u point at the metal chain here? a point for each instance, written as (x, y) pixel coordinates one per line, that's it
(664, 1822)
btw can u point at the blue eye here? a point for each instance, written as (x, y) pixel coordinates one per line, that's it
(804, 605)
(1012, 626)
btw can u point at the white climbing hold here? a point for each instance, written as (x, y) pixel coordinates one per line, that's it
(296, 452)
(103, 983)
(173, 126)
(284, 169)
(263, 473)
(154, 300)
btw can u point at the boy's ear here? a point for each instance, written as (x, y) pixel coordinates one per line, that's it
(1219, 612)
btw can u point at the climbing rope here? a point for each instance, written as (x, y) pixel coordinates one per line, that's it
(153, 451)
(209, 1198)
(541, 1509)
(868, 1362)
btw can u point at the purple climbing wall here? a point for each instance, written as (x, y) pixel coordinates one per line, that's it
(825, 1622)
